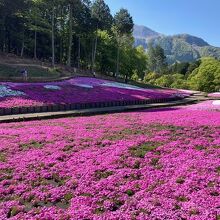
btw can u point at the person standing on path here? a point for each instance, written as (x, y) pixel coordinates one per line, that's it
(24, 73)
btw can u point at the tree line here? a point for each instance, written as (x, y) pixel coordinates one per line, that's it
(201, 75)
(77, 33)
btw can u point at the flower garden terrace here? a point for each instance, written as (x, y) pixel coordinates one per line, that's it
(157, 164)
(77, 90)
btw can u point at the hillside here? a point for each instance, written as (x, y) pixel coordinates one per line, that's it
(178, 48)
(76, 90)
(11, 66)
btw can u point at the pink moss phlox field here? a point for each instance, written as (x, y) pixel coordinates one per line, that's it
(157, 164)
(78, 90)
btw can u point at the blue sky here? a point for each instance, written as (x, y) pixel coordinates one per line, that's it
(197, 17)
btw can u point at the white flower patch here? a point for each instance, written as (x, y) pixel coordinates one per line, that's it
(6, 91)
(83, 85)
(217, 102)
(216, 93)
(188, 91)
(121, 86)
(52, 87)
(178, 95)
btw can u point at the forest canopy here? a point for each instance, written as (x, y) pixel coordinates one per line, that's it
(77, 33)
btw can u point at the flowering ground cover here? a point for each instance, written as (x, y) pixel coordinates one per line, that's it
(215, 94)
(76, 90)
(155, 164)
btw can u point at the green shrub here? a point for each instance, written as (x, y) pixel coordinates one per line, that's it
(150, 78)
(164, 81)
(207, 76)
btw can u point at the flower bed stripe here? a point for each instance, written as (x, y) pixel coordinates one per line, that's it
(78, 106)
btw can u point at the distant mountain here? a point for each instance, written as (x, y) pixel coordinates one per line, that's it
(144, 32)
(192, 40)
(178, 48)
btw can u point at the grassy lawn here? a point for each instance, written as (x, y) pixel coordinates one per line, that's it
(144, 85)
(13, 72)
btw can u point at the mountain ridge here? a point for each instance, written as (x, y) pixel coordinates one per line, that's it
(177, 48)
